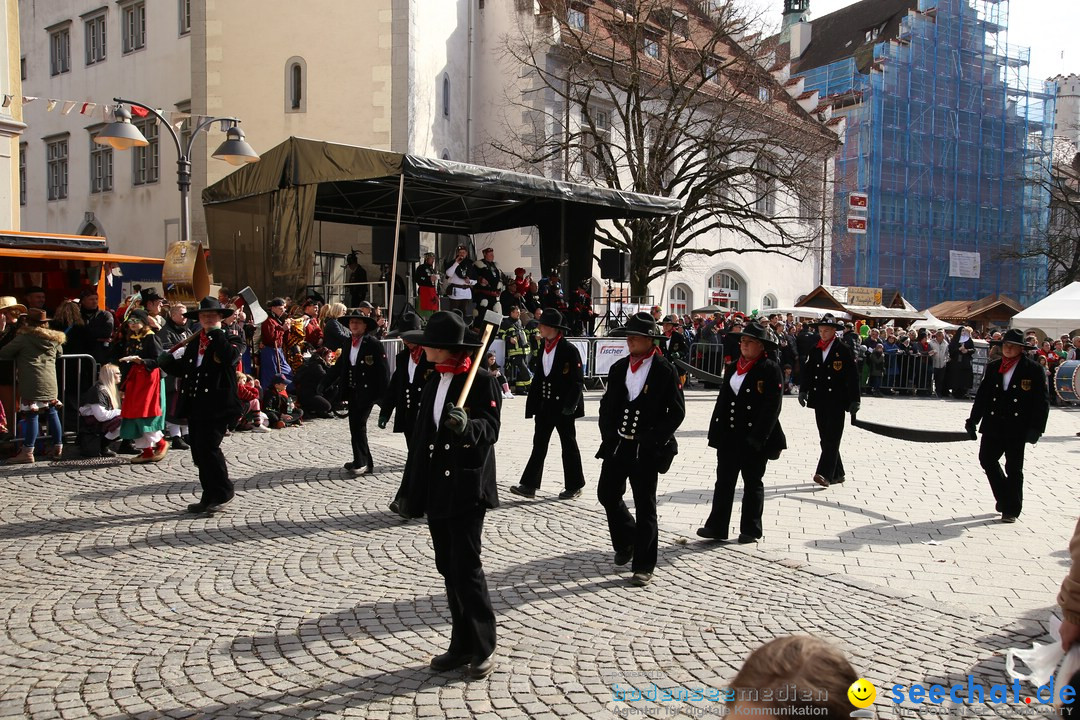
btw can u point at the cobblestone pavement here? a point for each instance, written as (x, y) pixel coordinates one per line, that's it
(307, 599)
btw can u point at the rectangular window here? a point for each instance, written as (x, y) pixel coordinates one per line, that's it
(56, 168)
(22, 173)
(576, 19)
(651, 47)
(185, 17)
(763, 94)
(101, 166)
(144, 169)
(60, 51)
(95, 39)
(22, 67)
(595, 136)
(134, 26)
(765, 187)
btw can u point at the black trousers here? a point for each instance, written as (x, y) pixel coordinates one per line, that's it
(399, 496)
(517, 372)
(457, 557)
(830, 425)
(205, 438)
(358, 416)
(729, 464)
(1008, 486)
(940, 385)
(573, 476)
(628, 464)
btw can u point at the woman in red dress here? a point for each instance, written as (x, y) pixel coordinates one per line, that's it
(141, 411)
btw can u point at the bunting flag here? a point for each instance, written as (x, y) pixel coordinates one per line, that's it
(87, 108)
(69, 105)
(27, 99)
(139, 112)
(52, 104)
(7, 100)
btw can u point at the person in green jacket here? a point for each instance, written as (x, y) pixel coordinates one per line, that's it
(34, 350)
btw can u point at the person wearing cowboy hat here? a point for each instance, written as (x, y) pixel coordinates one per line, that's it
(745, 430)
(556, 400)
(208, 398)
(640, 411)
(363, 374)
(450, 477)
(1012, 405)
(673, 345)
(830, 385)
(402, 397)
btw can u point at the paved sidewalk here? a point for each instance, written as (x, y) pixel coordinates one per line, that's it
(307, 599)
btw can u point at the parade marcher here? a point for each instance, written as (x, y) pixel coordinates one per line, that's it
(830, 385)
(426, 278)
(516, 343)
(402, 397)
(961, 353)
(208, 399)
(313, 333)
(489, 284)
(1012, 405)
(556, 400)
(272, 356)
(459, 282)
(143, 406)
(745, 430)
(450, 476)
(173, 330)
(639, 414)
(33, 351)
(363, 374)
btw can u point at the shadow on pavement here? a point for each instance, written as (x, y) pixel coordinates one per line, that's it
(899, 533)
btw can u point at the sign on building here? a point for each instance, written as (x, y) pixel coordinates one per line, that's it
(863, 296)
(858, 201)
(963, 264)
(856, 225)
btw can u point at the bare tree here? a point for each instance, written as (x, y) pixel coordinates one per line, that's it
(658, 97)
(1058, 243)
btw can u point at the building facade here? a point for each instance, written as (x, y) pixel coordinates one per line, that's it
(1067, 108)
(947, 138)
(11, 125)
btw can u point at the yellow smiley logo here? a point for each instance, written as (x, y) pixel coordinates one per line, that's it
(862, 693)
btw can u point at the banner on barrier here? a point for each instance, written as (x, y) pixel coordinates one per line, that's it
(607, 352)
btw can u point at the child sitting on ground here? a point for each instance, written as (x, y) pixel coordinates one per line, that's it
(99, 414)
(247, 387)
(493, 367)
(279, 405)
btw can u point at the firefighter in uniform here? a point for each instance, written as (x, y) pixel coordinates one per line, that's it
(450, 476)
(745, 430)
(639, 414)
(364, 375)
(830, 385)
(532, 332)
(556, 400)
(517, 351)
(1013, 405)
(402, 397)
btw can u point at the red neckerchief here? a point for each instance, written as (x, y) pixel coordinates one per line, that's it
(415, 353)
(821, 345)
(549, 345)
(1007, 364)
(635, 364)
(204, 342)
(667, 333)
(456, 364)
(742, 366)
(356, 340)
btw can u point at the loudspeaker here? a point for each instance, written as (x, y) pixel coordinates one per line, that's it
(614, 265)
(382, 245)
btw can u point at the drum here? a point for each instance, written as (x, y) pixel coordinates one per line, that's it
(1067, 381)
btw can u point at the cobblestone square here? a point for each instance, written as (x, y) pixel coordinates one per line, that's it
(309, 599)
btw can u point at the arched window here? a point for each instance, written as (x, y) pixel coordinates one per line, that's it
(295, 82)
(768, 302)
(445, 154)
(725, 290)
(446, 95)
(678, 300)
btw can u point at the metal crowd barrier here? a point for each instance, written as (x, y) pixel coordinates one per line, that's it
(75, 374)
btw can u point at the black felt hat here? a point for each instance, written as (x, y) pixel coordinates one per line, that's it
(830, 320)
(1013, 336)
(209, 304)
(445, 330)
(553, 318)
(641, 324)
(408, 321)
(757, 331)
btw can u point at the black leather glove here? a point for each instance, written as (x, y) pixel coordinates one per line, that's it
(854, 407)
(456, 419)
(383, 421)
(1033, 436)
(802, 398)
(970, 427)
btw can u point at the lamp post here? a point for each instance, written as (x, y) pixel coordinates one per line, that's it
(122, 135)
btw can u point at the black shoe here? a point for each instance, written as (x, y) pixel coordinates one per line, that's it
(479, 669)
(709, 534)
(217, 507)
(106, 451)
(821, 480)
(349, 465)
(641, 579)
(523, 491)
(837, 481)
(747, 539)
(624, 556)
(570, 494)
(127, 447)
(1008, 518)
(176, 442)
(395, 507)
(197, 507)
(448, 661)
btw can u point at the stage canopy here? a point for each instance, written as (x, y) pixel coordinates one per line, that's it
(259, 218)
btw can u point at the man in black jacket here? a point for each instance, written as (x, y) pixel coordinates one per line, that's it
(830, 385)
(364, 374)
(99, 326)
(489, 283)
(450, 476)
(208, 399)
(745, 430)
(639, 414)
(556, 401)
(1013, 405)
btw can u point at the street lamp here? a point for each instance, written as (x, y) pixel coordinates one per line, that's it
(122, 135)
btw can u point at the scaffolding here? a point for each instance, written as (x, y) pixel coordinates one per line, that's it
(952, 144)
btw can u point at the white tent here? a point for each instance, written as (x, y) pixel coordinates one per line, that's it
(932, 323)
(1055, 314)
